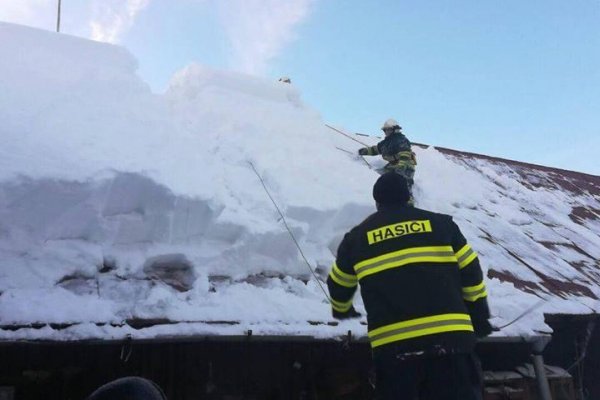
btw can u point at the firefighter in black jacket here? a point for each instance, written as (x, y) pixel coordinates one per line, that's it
(397, 151)
(424, 294)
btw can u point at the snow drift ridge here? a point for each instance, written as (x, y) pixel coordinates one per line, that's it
(117, 203)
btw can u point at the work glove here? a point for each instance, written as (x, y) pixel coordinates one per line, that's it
(351, 313)
(482, 328)
(363, 152)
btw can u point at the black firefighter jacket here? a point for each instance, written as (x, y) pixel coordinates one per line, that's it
(420, 281)
(395, 149)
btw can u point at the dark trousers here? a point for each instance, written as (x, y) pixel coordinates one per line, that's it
(448, 377)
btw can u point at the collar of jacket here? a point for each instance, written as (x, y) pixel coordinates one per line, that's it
(391, 207)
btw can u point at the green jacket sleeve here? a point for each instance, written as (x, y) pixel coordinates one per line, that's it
(373, 150)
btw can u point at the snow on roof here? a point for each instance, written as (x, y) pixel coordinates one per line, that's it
(124, 212)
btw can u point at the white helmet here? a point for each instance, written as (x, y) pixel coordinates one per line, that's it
(390, 124)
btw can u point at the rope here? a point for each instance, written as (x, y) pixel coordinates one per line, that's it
(290, 231)
(524, 313)
(586, 342)
(351, 153)
(345, 151)
(345, 134)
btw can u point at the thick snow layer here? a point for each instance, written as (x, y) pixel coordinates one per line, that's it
(118, 204)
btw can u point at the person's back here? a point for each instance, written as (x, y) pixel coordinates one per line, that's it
(406, 264)
(422, 287)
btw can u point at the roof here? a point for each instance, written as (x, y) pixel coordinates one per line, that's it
(536, 228)
(576, 246)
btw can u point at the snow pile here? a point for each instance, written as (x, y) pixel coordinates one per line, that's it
(117, 204)
(103, 183)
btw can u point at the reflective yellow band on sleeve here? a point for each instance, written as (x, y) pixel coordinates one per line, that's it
(341, 306)
(420, 327)
(465, 256)
(406, 155)
(432, 254)
(473, 293)
(342, 278)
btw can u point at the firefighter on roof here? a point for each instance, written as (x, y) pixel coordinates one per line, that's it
(424, 293)
(396, 150)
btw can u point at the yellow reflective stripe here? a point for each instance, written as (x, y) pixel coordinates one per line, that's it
(406, 154)
(419, 321)
(340, 305)
(473, 289)
(342, 278)
(465, 262)
(476, 297)
(411, 250)
(422, 332)
(473, 293)
(463, 250)
(420, 327)
(465, 256)
(434, 254)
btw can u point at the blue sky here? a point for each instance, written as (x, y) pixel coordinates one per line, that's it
(514, 79)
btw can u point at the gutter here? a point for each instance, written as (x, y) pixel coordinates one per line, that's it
(538, 347)
(537, 344)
